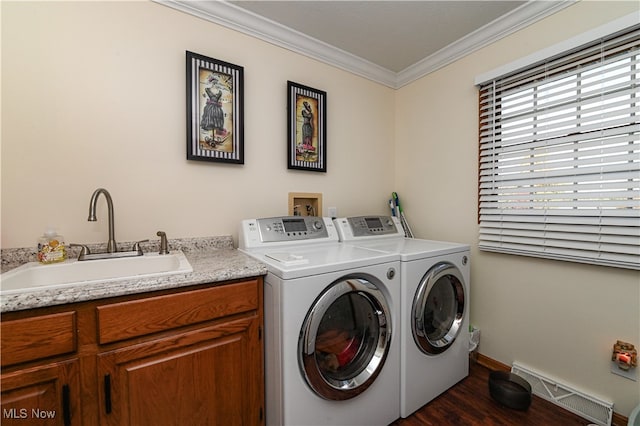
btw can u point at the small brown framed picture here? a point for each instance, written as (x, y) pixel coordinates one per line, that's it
(215, 109)
(307, 128)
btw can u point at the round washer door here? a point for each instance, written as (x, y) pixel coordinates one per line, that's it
(438, 309)
(345, 339)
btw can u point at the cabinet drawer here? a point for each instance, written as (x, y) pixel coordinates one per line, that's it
(136, 318)
(39, 337)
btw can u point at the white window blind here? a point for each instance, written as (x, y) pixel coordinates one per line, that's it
(560, 156)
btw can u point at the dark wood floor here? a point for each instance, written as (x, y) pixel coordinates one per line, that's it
(468, 404)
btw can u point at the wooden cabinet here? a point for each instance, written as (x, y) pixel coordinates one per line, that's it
(200, 378)
(47, 393)
(44, 395)
(171, 358)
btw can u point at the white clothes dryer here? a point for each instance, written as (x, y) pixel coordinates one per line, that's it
(435, 299)
(332, 351)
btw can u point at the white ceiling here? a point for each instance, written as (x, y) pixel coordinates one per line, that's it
(390, 42)
(392, 34)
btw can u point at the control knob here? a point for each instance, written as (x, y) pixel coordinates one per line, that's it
(317, 225)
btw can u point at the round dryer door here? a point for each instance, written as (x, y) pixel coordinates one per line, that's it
(345, 339)
(438, 309)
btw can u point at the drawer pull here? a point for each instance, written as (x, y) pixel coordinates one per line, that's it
(66, 405)
(107, 393)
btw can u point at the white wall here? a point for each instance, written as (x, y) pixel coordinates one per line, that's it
(557, 317)
(93, 95)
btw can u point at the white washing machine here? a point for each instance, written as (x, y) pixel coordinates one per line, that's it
(332, 350)
(435, 279)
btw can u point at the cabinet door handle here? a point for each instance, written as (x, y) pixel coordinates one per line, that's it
(66, 405)
(107, 393)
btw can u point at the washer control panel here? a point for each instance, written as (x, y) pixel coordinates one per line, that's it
(361, 227)
(285, 229)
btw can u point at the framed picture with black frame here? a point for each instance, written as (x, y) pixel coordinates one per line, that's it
(307, 128)
(215, 110)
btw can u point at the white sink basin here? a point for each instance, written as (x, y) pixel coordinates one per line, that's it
(34, 276)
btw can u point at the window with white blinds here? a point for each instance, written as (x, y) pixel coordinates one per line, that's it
(560, 156)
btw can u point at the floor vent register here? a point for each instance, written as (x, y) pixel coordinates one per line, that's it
(587, 406)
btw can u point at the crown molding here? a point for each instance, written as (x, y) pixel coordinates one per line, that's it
(517, 19)
(246, 22)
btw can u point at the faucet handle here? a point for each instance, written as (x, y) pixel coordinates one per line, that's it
(136, 246)
(83, 251)
(164, 245)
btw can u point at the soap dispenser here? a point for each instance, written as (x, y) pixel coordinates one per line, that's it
(51, 247)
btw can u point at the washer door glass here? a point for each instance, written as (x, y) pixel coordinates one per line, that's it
(345, 339)
(438, 309)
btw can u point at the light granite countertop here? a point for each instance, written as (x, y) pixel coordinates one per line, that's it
(213, 260)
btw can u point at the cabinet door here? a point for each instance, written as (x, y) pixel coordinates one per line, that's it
(43, 396)
(209, 376)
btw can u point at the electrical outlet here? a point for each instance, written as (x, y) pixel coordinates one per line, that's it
(630, 374)
(624, 360)
(332, 212)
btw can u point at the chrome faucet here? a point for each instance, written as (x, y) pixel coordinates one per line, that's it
(111, 244)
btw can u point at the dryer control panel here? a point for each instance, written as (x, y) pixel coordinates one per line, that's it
(362, 227)
(267, 232)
